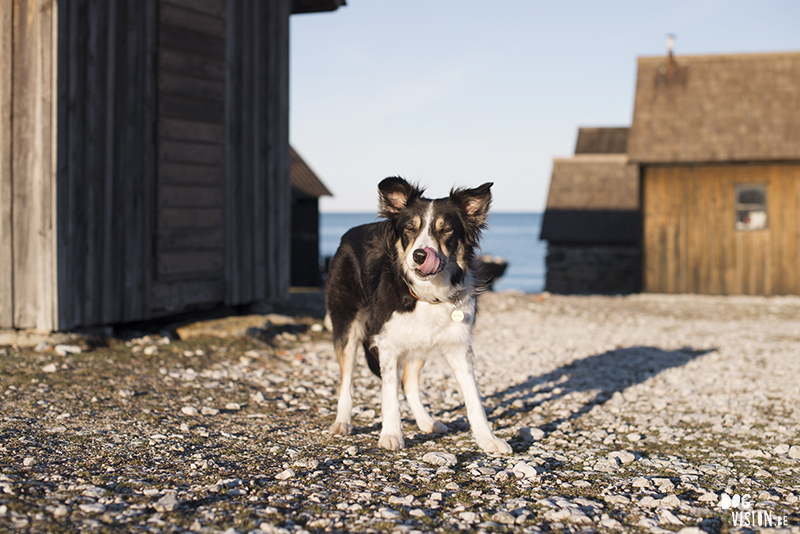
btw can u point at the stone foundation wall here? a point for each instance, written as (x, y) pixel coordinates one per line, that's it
(593, 269)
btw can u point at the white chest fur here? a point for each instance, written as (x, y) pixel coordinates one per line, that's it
(428, 331)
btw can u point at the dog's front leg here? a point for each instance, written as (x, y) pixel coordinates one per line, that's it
(391, 428)
(460, 362)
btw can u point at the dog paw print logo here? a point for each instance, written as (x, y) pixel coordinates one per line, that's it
(726, 502)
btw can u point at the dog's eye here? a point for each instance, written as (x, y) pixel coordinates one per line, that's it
(410, 229)
(446, 231)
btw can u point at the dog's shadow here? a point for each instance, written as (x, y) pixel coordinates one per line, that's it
(603, 374)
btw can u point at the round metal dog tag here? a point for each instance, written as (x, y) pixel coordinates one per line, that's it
(457, 315)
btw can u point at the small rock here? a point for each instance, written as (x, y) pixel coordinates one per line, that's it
(468, 517)
(233, 406)
(317, 327)
(622, 457)
(28, 462)
(258, 397)
(388, 513)
(167, 503)
(50, 368)
(503, 518)
(440, 458)
(189, 410)
(42, 346)
(531, 434)
(369, 414)
(794, 452)
(634, 436)
(665, 517)
(452, 486)
(285, 475)
(63, 350)
(783, 448)
(691, 530)
(351, 451)
(126, 393)
(150, 350)
(93, 508)
(403, 501)
(206, 410)
(523, 470)
(671, 501)
(641, 482)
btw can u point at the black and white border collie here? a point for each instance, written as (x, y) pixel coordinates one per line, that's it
(404, 288)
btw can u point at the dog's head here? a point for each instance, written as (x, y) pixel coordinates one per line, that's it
(435, 239)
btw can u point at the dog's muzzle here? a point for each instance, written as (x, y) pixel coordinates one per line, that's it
(428, 260)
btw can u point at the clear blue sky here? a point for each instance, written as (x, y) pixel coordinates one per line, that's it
(461, 92)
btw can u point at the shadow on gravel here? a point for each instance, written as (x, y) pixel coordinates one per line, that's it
(610, 372)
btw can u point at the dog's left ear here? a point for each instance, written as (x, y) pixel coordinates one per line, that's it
(474, 203)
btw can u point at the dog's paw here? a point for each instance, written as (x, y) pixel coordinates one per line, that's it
(340, 429)
(495, 445)
(393, 443)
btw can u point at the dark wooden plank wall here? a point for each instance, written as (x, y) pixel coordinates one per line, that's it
(190, 250)
(691, 244)
(258, 194)
(27, 178)
(6, 243)
(106, 163)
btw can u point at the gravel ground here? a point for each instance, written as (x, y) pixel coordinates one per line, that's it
(631, 414)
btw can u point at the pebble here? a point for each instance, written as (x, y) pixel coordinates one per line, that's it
(93, 508)
(29, 461)
(64, 350)
(189, 410)
(167, 503)
(445, 459)
(285, 474)
(794, 452)
(50, 368)
(523, 470)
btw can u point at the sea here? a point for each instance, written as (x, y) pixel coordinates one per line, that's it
(511, 236)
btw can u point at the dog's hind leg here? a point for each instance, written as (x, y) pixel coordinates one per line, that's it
(346, 354)
(411, 388)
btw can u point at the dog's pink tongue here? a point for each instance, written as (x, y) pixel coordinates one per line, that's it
(431, 263)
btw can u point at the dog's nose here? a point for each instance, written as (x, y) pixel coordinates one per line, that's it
(420, 256)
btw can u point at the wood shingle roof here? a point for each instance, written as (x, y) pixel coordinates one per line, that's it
(303, 178)
(741, 107)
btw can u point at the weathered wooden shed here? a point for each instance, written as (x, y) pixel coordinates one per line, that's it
(144, 157)
(307, 188)
(592, 220)
(718, 142)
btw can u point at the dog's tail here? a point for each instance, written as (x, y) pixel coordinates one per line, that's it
(373, 361)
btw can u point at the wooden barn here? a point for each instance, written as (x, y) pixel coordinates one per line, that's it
(144, 157)
(592, 220)
(307, 188)
(717, 139)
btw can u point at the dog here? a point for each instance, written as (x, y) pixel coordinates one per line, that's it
(405, 289)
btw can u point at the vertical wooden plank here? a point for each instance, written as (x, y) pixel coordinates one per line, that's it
(93, 155)
(149, 116)
(232, 157)
(262, 129)
(32, 159)
(729, 234)
(283, 198)
(111, 227)
(6, 235)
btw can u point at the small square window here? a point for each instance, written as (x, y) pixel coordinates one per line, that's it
(751, 206)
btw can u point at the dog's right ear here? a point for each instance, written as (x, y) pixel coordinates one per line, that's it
(395, 194)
